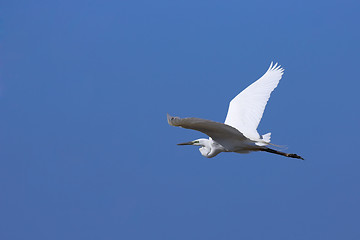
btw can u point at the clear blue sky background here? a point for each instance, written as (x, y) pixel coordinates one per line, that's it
(85, 149)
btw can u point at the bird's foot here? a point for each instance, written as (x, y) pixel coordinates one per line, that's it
(293, 155)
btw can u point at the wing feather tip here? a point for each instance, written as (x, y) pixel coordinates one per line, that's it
(271, 64)
(170, 120)
(276, 68)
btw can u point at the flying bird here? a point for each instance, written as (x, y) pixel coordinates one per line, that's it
(238, 133)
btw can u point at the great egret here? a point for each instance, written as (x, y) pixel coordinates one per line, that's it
(238, 133)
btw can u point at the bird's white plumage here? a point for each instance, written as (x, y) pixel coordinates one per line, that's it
(247, 108)
(238, 133)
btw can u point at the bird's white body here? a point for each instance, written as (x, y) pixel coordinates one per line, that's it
(210, 148)
(239, 132)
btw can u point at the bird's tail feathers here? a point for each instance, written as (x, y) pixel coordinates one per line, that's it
(266, 137)
(265, 140)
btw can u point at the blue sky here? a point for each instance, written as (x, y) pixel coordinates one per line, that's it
(85, 149)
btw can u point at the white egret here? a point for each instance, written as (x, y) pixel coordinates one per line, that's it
(238, 133)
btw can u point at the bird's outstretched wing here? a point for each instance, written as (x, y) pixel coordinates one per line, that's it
(220, 132)
(247, 108)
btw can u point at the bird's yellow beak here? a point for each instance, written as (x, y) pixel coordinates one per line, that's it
(186, 143)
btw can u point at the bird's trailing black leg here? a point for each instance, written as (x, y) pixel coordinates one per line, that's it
(291, 155)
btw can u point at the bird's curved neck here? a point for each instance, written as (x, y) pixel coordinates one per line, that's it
(210, 148)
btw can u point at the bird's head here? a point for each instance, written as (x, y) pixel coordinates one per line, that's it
(197, 142)
(204, 143)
